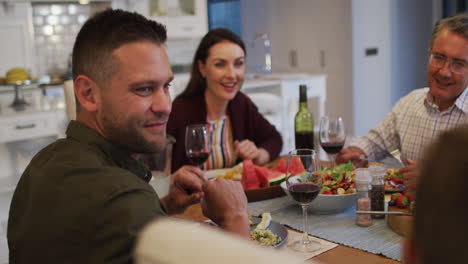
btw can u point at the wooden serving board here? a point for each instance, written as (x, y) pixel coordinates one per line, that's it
(266, 193)
(400, 224)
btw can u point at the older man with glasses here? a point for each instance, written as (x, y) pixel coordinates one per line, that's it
(418, 118)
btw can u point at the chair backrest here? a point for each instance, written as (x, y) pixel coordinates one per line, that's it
(269, 105)
(70, 103)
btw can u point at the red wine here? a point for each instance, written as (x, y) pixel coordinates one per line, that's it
(332, 147)
(198, 158)
(304, 140)
(304, 193)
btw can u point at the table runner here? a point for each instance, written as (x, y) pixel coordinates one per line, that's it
(339, 228)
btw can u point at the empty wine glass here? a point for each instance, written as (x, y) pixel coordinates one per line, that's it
(197, 143)
(304, 184)
(332, 136)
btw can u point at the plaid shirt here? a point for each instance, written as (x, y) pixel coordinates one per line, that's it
(414, 122)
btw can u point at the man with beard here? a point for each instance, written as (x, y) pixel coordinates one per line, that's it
(418, 118)
(83, 199)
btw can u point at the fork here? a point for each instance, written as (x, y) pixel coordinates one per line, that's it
(397, 155)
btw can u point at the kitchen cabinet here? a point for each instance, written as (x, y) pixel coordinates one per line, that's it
(286, 87)
(178, 84)
(44, 116)
(307, 36)
(23, 133)
(183, 18)
(16, 31)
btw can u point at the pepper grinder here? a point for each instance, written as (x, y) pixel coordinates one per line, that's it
(378, 189)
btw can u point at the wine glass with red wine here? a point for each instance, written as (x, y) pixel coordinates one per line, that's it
(197, 143)
(304, 183)
(332, 136)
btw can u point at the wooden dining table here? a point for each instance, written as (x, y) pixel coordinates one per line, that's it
(340, 254)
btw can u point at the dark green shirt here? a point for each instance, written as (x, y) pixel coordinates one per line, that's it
(80, 200)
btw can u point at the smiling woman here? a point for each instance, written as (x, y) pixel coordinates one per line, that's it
(213, 96)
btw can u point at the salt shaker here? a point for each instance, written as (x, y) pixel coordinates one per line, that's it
(363, 181)
(377, 193)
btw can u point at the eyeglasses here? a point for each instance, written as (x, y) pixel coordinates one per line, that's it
(456, 66)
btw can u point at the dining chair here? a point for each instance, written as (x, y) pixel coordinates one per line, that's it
(268, 105)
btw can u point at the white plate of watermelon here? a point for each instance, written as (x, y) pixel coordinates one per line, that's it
(251, 176)
(259, 183)
(213, 174)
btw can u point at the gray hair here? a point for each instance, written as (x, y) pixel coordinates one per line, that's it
(457, 24)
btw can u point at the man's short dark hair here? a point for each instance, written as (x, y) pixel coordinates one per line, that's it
(105, 32)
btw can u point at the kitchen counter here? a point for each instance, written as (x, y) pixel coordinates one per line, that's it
(286, 87)
(42, 116)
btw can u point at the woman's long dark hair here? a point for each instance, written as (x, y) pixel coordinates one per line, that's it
(197, 84)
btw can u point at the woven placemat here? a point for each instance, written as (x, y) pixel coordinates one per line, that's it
(339, 228)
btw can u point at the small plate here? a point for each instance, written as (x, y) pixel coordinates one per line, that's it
(396, 190)
(276, 228)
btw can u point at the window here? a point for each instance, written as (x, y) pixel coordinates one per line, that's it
(451, 7)
(226, 14)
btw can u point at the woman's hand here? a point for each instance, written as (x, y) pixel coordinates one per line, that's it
(247, 150)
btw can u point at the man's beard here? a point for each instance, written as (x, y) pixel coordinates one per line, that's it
(129, 138)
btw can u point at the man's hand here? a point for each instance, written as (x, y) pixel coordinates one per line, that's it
(247, 150)
(353, 154)
(225, 204)
(185, 189)
(410, 174)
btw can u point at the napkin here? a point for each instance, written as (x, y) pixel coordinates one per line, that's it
(294, 235)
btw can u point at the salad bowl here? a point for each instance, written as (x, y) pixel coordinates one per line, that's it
(330, 200)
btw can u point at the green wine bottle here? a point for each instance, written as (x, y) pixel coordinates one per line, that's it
(303, 122)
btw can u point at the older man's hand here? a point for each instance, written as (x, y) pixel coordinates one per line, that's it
(354, 154)
(410, 174)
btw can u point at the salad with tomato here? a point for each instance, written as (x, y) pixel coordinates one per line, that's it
(394, 180)
(337, 180)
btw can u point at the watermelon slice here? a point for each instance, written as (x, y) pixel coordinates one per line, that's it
(249, 178)
(295, 166)
(281, 166)
(268, 177)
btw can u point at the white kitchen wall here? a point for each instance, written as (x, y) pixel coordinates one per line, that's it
(412, 23)
(401, 31)
(371, 74)
(55, 28)
(317, 34)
